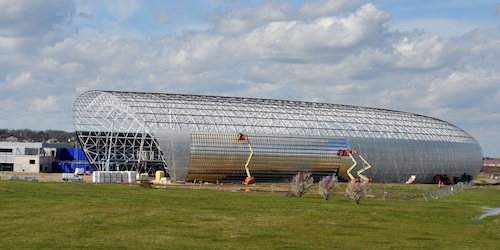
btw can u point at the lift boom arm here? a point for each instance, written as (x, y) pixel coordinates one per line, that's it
(367, 166)
(249, 179)
(354, 163)
(349, 153)
(249, 158)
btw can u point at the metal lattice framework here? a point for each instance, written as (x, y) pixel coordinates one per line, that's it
(143, 112)
(113, 136)
(120, 125)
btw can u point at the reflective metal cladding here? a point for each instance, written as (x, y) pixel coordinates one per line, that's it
(195, 137)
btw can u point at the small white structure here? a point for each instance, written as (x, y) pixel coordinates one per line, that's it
(79, 171)
(33, 163)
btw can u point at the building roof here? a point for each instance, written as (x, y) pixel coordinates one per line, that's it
(136, 112)
(491, 162)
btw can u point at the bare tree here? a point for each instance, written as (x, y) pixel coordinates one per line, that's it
(327, 186)
(301, 183)
(357, 190)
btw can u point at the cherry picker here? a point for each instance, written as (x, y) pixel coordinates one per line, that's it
(249, 179)
(347, 152)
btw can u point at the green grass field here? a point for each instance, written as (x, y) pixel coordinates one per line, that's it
(76, 215)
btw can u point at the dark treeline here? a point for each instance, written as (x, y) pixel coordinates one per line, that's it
(28, 135)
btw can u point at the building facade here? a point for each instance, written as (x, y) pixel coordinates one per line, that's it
(32, 157)
(197, 137)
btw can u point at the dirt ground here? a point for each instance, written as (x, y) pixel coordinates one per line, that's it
(43, 177)
(488, 176)
(491, 170)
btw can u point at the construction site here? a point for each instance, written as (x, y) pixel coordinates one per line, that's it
(234, 139)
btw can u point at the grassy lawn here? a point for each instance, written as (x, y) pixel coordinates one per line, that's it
(76, 215)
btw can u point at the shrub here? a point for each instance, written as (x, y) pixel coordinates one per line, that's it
(145, 184)
(301, 183)
(356, 190)
(327, 186)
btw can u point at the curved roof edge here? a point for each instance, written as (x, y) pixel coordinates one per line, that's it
(211, 113)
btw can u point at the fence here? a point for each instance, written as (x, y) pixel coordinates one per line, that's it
(447, 190)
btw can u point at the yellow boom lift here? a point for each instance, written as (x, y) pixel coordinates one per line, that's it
(349, 153)
(249, 179)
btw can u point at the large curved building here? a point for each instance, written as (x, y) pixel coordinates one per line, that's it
(197, 137)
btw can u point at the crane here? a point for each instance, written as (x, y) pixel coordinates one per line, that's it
(347, 152)
(249, 179)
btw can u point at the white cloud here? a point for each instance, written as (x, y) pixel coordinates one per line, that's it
(238, 21)
(33, 18)
(326, 33)
(444, 27)
(242, 20)
(50, 103)
(461, 89)
(327, 7)
(23, 79)
(26, 25)
(288, 41)
(327, 51)
(10, 44)
(428, 53)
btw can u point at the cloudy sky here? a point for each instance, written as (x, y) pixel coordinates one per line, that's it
(436, 58)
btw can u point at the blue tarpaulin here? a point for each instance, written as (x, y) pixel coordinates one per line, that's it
(69, 167)
(70, 154)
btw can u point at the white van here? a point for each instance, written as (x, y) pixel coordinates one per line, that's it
(72, 177)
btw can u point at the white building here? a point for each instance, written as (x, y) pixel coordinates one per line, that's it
(31, 157)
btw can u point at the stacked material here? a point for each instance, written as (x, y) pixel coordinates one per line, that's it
(114, 177)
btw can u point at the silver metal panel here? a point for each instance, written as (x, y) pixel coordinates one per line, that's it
(223, 156)
(396, 160)
(176, 151)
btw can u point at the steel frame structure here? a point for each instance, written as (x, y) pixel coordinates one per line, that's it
(114, 126)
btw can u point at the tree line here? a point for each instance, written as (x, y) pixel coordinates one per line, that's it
(28, 135)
